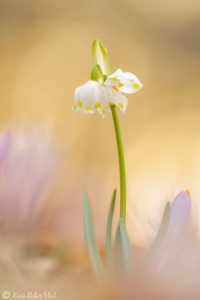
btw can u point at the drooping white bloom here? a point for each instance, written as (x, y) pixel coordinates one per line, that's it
(97, 96)
(124, 82)
(90, 97)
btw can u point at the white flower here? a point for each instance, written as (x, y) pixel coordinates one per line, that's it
(90, 97)
(97, 96)
(124, 82)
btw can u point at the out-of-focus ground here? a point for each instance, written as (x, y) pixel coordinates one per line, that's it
(45, 53)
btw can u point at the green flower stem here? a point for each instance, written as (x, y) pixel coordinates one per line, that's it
(122, 169)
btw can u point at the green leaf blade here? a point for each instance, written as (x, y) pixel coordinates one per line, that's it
(109, 251)
(123, 249)
(90, 239)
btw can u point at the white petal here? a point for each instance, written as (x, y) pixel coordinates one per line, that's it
(90, 97)
(124, 82)
(95, 97)
(116, 98)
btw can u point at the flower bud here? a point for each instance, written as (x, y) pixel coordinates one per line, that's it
(100, 56)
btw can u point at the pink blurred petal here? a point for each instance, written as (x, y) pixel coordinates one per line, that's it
(179, 216)
(180, 212)
(4, 146)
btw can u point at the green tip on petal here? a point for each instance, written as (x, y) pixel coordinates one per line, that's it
(100, 56)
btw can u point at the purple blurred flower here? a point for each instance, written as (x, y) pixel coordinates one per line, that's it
(4, 146)
(178, 218)
(171, 267)
(180, 212)
(175, 217)
(27, 162)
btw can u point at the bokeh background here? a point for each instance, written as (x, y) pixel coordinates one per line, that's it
(45, 53)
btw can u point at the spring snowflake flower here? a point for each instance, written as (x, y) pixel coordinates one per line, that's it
(105, 89)
(97, 96)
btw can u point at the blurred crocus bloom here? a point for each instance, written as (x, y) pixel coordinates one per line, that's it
(4, 146)
(171, 267)
(25, 170)
(179, 216)
(180, 212)
(175, 217)
(97, 96)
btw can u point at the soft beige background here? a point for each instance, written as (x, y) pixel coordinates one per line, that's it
(45, 53)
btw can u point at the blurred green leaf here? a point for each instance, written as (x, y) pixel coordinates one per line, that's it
(90, 237)
(109, 251)
(100, 56)
(123, 249)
